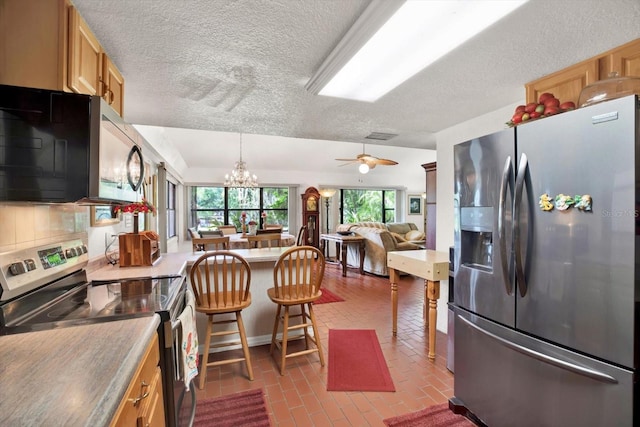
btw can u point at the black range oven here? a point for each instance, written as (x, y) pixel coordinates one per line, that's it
(46, 287)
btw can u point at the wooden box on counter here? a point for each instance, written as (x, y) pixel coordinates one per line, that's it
(139, 249)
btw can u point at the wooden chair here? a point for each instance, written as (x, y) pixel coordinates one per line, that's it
(270, 240)
(210, 233)
(227, 229)
(297, 277)
(210, 243)
(220, 281)
(193, 233)
(302, 233)
(269, 230)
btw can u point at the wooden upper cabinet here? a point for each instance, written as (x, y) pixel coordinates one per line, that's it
(625, 60)
(33, 43)
(90, 69)
(47, 45)
(114, 85)
(85, 57)
(567, 84)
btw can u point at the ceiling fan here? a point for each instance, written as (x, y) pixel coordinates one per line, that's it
(367, 161)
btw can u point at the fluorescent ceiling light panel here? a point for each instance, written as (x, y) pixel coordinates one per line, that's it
(418, 34)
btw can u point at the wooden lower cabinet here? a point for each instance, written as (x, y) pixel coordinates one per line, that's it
(143, 405)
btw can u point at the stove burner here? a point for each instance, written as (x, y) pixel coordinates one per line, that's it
(72, 301)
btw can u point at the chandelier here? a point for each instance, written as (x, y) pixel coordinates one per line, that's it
(240, 176)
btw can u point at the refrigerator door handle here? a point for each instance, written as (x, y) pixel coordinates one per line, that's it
(506, 174)
(580, 370)
(517, 204)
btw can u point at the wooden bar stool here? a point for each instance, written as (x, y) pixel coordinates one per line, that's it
(220, 281)
(297, 277)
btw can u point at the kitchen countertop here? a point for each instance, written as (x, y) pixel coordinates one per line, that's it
(177, 262)
(70, 376)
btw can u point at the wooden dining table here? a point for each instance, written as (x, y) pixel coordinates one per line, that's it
(240, 241)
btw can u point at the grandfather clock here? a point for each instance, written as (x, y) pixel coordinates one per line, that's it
(311, 216)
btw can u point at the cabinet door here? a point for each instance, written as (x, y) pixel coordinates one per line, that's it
(85, 57)
(152, 412)
(33, 43)
(626, 59)
(114, 85)
(566, 84)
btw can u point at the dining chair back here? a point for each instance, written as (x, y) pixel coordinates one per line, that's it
(221, 282)
(268, 240)
(297, 278)
(210, 243)
(302, 233)
(227, 229)
(269, 230)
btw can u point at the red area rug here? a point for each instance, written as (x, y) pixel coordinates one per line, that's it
(433, 416)
(246, 409)
(356, 362)
(327, 296)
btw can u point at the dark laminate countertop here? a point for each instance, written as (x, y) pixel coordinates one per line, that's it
(73, 376)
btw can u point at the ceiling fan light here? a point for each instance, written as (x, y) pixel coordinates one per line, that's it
(363, 168)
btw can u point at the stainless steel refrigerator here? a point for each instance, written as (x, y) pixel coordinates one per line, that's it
(546, 271)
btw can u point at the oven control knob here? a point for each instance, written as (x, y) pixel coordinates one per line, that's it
(84, 249)
(30, 264)
(79, 250)
(67, 253)
(17, 268)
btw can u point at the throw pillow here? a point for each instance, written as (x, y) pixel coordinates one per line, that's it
(414, 235)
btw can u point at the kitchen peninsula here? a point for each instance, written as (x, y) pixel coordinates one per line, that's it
(258, 318)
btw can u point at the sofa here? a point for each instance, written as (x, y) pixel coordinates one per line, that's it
(380, 239)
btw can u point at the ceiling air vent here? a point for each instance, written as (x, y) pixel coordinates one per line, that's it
(381, 136)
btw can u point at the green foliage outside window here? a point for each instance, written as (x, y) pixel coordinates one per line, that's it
(368, 205)
(214, 206)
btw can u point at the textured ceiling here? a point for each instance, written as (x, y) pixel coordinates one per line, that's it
(241, 65)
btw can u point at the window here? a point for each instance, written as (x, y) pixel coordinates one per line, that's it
(214, 206)
(171, 209)
(367, 205)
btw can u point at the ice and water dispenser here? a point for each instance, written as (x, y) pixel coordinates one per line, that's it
(477, 237)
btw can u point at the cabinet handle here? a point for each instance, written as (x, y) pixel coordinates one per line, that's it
(139, 399)
(110, 96)
(103, 86)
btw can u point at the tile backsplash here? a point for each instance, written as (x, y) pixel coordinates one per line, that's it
(27, 225)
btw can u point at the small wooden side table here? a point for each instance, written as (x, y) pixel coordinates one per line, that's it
(430, 265)
(342, 242)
